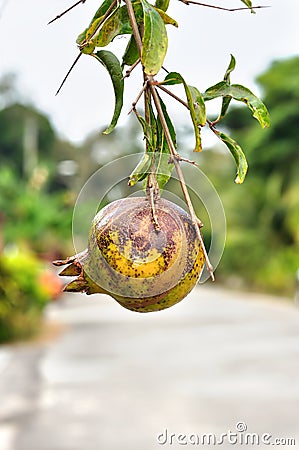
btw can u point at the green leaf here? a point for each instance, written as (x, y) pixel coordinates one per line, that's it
(248, 3)
(242, 94)
(227, 99)
(162, 4)
(141, 170)
(116, 24)
(238, 155)
(196, 105)
(83, 37)
(102, 10)
(163, 167)
(152, 131)
(166, 18)
(149, 129)
(199, 105)
(131, 54)
(154, 40)
(231, 67)
(169, 124)
(257, 107)
(157, 149)
(218, 90)
(224, 107)
(111, 63)
(142, 122)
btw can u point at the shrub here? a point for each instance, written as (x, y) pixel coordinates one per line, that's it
(26, 286)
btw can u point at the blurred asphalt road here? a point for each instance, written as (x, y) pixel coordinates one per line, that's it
(112, 379)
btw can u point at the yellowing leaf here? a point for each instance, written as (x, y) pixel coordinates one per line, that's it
(154, 41)
(242, 94)
(238, 155)
(196, 105)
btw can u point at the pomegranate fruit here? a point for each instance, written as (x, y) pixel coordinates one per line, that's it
(144, 266)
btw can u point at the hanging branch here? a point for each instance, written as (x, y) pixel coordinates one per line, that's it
(130, 70)
(148, 46)
(146, 23)
(175, 158)
(186, 2)
(193, 2)
(66, 11)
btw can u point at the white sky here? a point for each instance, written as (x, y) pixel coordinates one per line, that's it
(199, 49)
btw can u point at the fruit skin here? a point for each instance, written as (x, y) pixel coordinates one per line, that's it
(144, 268)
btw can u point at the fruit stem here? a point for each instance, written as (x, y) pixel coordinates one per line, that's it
(150, 91)
(134, 26)
(176, 161)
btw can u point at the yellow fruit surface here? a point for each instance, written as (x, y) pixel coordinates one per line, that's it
(143, 267)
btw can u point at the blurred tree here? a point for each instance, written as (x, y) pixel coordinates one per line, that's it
(22, 127)
(263, 240)
(28, 140)
(32, 217)
(8, 91)
(35, 202)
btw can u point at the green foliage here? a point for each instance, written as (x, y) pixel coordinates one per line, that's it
(141, 170)
(162, 4)
(248, 3)
(154, 40)
(163, 164)
(263, 233)
(111, 63)
(148, 44)
(13, 122)
(196, 105)
(22, 295)
(131, 55)
(32, 215)
(242, 94)
(238, 156)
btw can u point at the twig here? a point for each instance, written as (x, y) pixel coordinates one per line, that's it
(130, 70)
(200, 224)
(68, 72)
(134, 26)
(105, 16)
(212, 124)
(66, 11)
(178, 169)
(193, 2)
(153, 194)
(138, 98)
(152, 187)
(172, 95)
(186, 160)
(173, 153)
